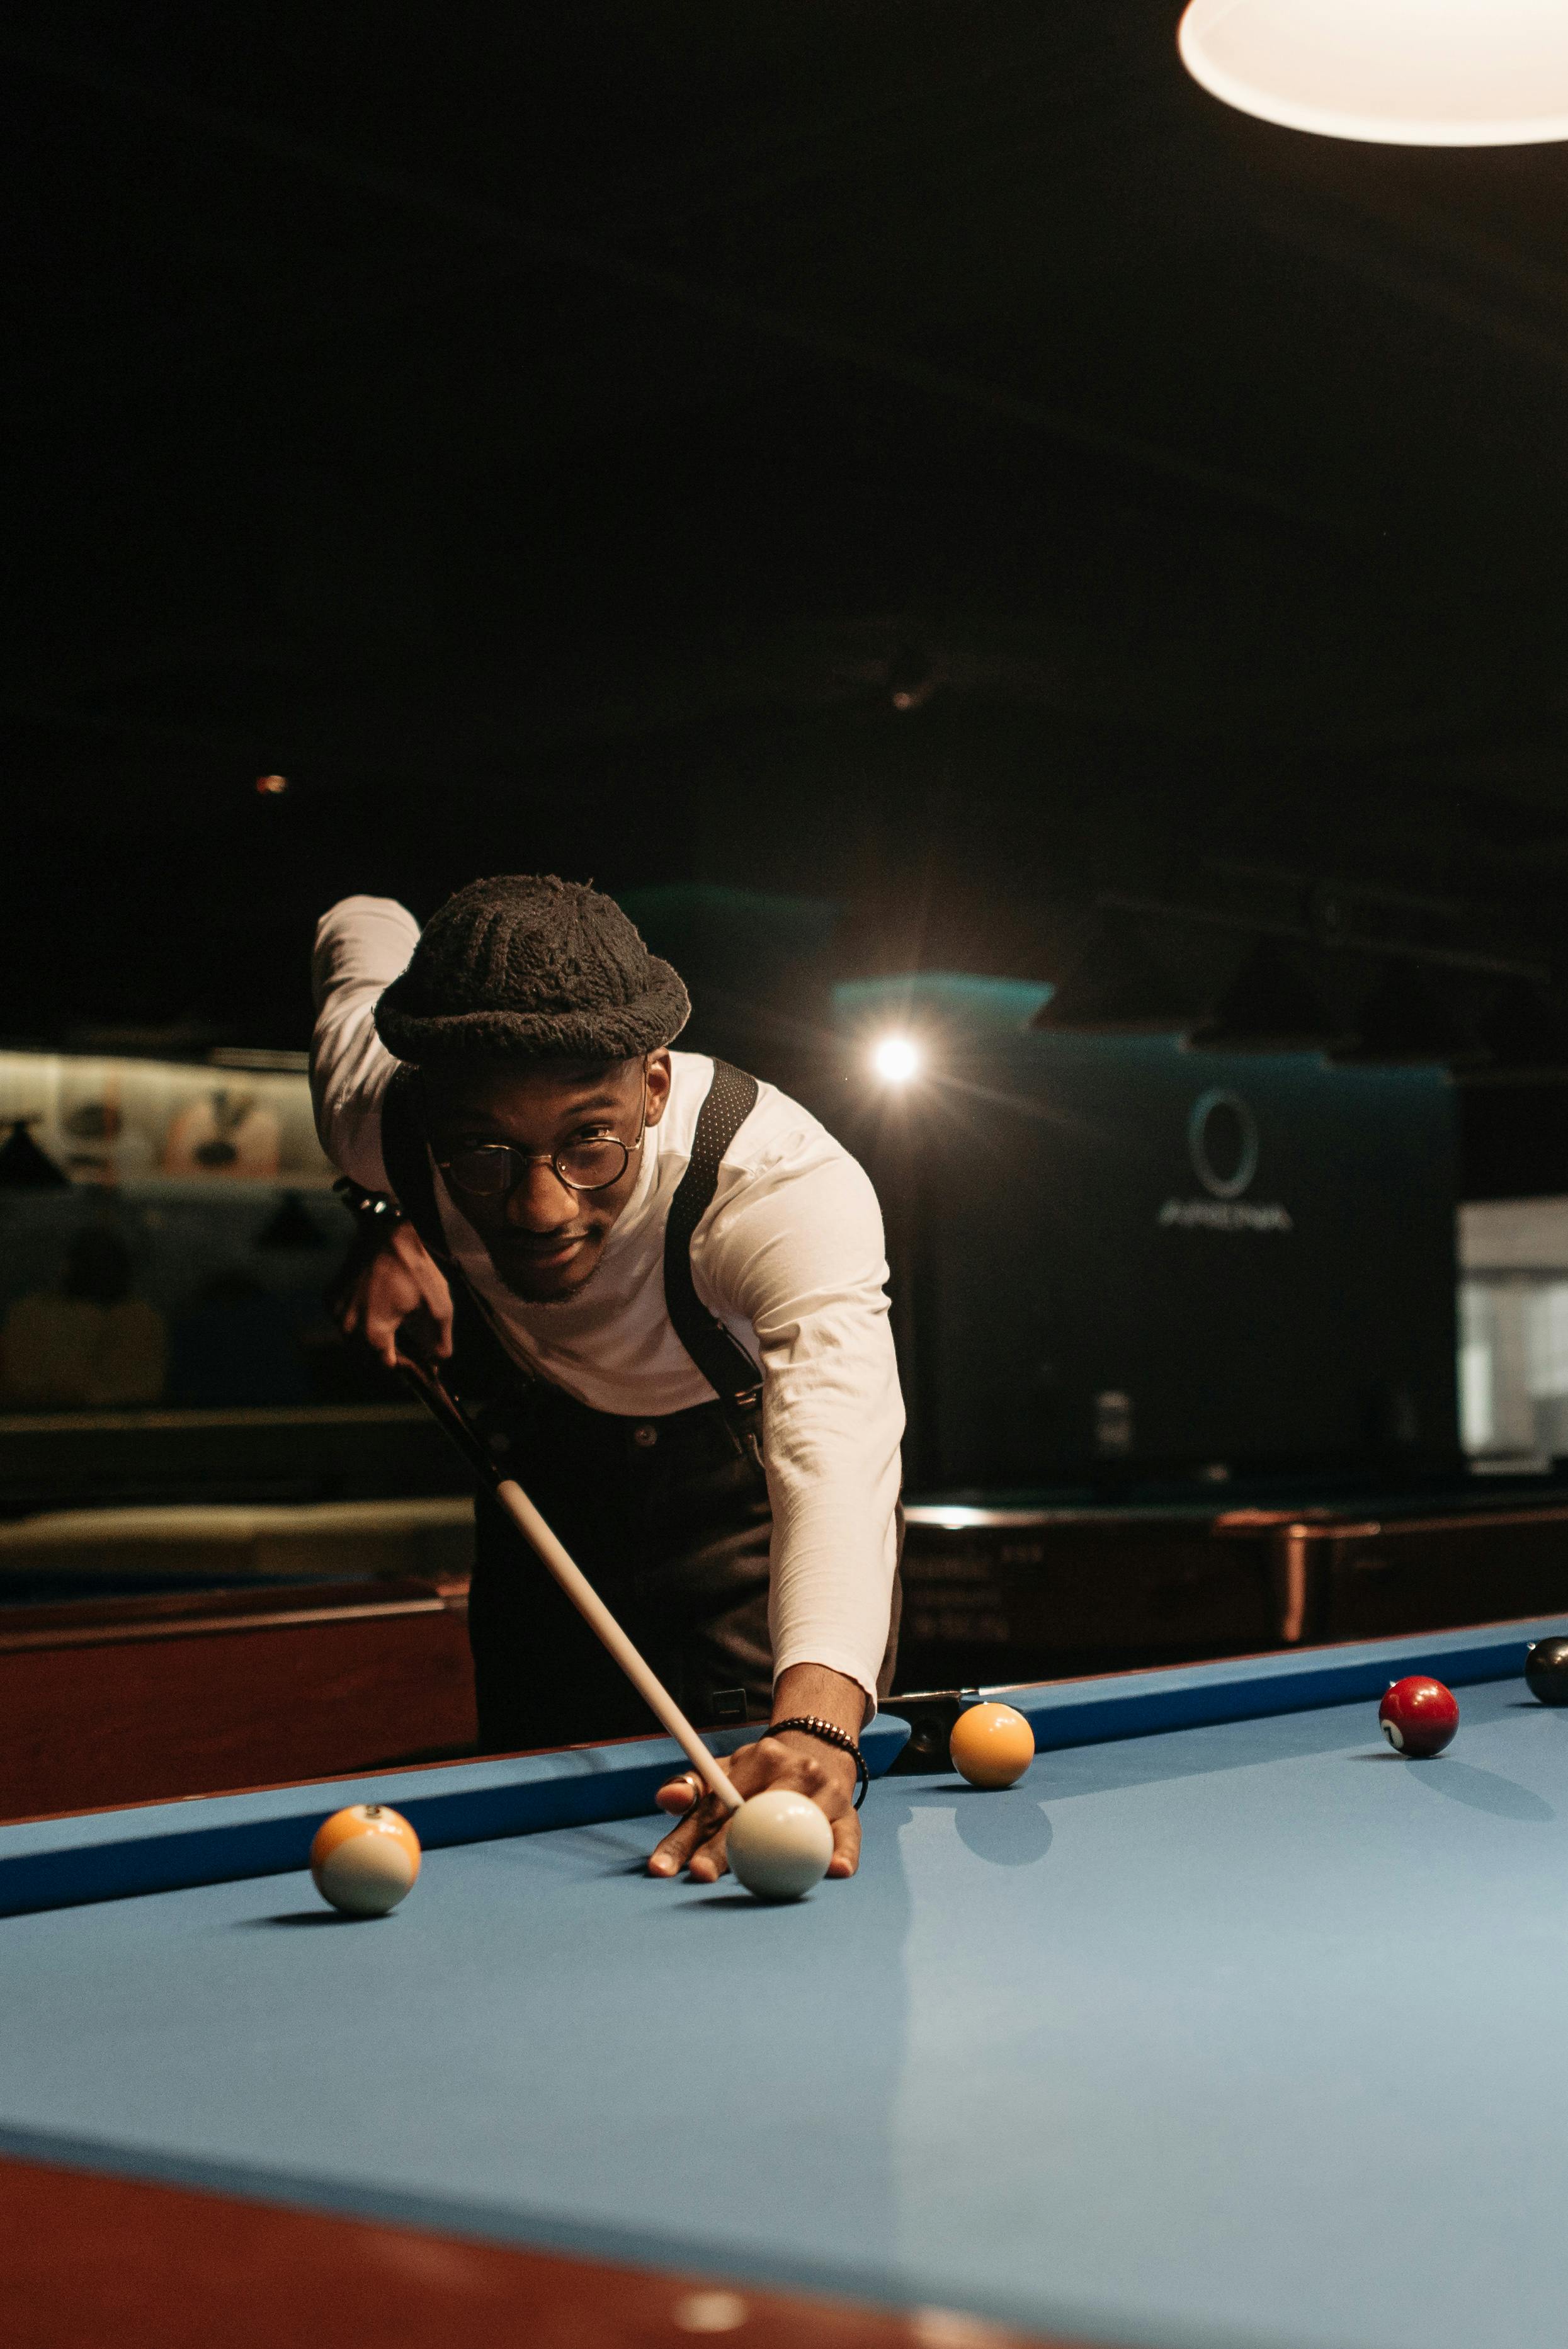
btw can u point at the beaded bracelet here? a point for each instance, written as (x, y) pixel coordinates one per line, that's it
(831, 1735)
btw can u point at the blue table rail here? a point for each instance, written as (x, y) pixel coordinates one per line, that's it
(57, 1863)
(1249, 1688)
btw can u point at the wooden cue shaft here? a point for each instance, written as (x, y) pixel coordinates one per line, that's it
(555, 1554)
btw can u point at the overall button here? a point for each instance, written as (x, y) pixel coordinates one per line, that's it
(646, 1435)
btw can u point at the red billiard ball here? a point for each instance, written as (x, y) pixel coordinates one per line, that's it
(1418, 1716)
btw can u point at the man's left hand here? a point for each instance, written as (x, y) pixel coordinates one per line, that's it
(807, 1765)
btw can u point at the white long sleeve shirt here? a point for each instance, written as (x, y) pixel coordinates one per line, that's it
(789, 1257)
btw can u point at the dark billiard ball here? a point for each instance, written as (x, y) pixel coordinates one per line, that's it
(1546, 1670)
(1418, 1716)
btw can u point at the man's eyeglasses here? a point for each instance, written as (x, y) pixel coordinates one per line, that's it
(491, 1170)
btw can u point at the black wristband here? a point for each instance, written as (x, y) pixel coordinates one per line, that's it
(377, 1210)
(831, 1735)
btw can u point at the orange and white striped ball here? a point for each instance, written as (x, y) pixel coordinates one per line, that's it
(992, 1745)
(364, 1859)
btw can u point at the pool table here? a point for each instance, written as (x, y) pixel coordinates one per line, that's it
(1225, 2025)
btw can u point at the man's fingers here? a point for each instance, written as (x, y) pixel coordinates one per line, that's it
(846, 1845)
(380, 1334)
(676, 1796)
(399, 1281)
(710, 1860)
(671, 1855)
(435, 1297)
(439, 1310)
(430, 1304)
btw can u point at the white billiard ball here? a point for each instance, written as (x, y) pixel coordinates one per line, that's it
(779, 1844)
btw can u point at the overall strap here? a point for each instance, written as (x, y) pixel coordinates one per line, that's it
(722, 1359)
(481, 1363)
(406, 1158)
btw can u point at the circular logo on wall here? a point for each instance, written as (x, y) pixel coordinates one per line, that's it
(1222, 1143)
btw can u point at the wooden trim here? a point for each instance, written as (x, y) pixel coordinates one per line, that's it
(86, 2257)
(1321, 1525)
(245, 1415)
(157, 1699)
(210, 1627)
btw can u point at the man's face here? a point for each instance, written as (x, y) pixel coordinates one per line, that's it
(545, 1240)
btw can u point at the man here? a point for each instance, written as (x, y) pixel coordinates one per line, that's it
(662, 1288)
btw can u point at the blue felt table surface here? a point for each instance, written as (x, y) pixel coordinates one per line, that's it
(1250, 2031)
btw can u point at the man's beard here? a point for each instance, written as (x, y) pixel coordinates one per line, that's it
(560, 1296)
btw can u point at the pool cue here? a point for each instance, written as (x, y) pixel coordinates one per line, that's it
(444, 1407)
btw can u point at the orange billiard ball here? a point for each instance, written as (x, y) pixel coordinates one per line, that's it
(992, 1745)
(364, 1859)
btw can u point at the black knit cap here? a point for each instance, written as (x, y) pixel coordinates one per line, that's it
(529, 967)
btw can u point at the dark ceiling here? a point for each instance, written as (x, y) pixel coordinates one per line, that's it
(549, 438)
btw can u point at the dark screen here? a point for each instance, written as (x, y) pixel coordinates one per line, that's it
(1118, 1255)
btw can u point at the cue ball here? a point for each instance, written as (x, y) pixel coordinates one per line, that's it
(1546, 1670)
(992, 1745)
(364, 1859)
(779, 1844)
(1418, 1716)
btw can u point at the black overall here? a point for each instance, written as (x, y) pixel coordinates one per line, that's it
(669, 1517)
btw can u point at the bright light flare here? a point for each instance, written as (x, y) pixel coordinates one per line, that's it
(1408, 73)
(896, 1059)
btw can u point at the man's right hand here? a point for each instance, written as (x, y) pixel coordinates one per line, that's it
(401, 1278)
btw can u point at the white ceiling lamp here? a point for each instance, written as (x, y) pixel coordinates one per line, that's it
(896, 1060)
(1404, 73)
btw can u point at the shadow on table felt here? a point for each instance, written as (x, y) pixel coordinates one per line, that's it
(637, 1866)
(1005, 1825)
(303, 1916)
(1482, 1790)
(737, 1901)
